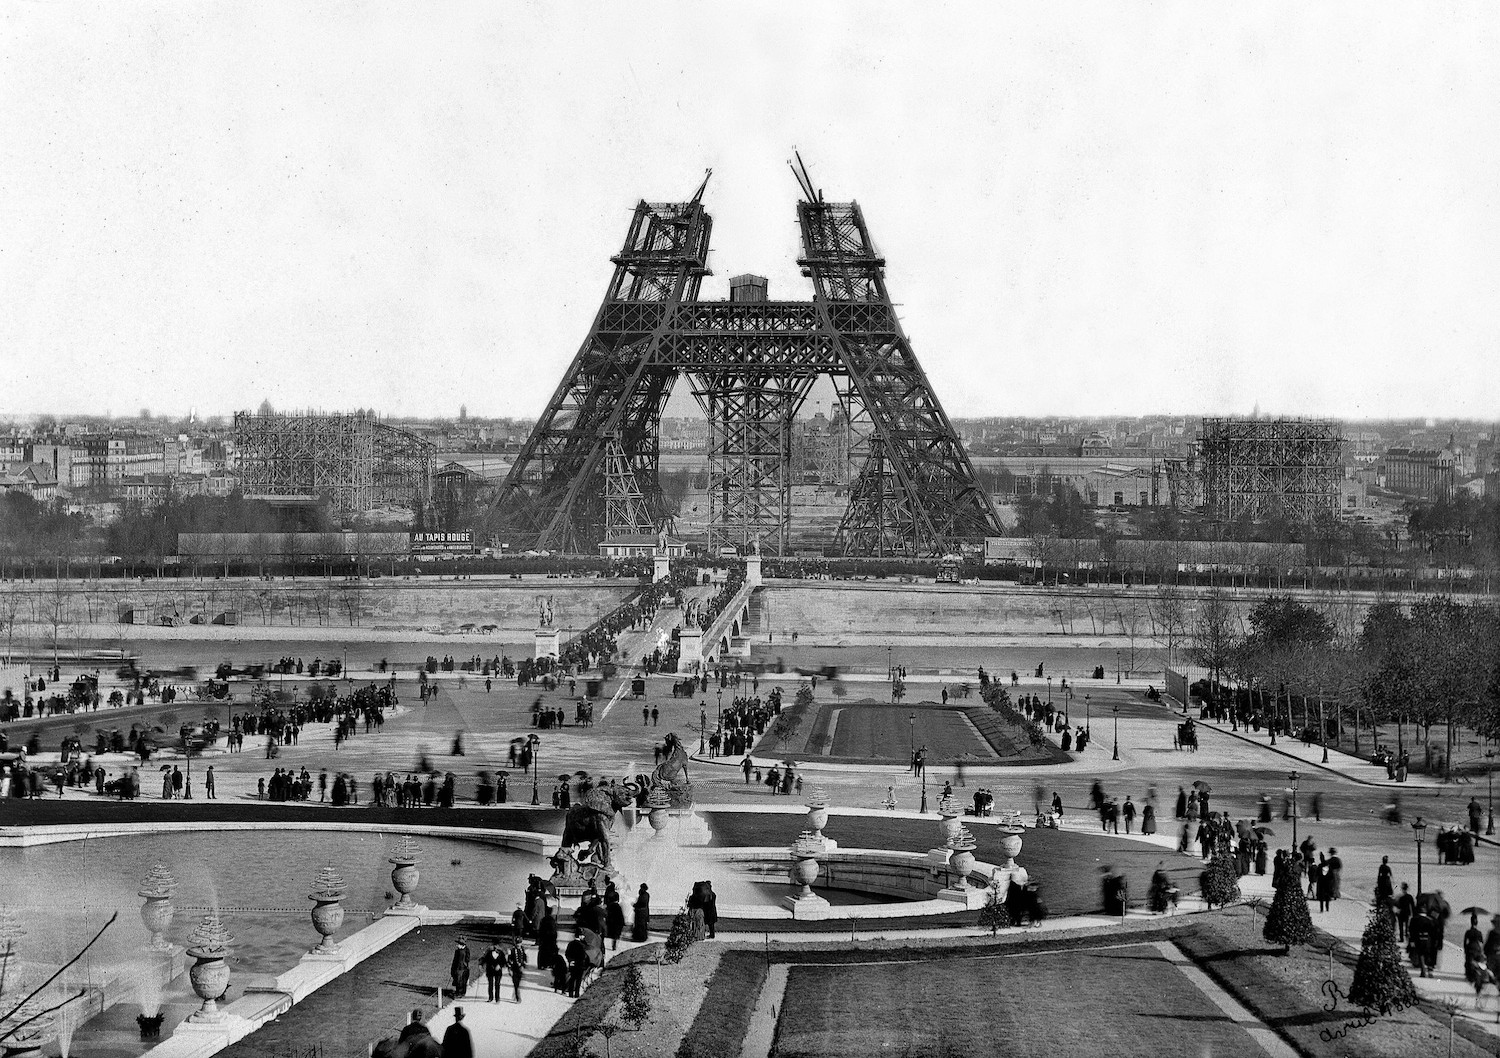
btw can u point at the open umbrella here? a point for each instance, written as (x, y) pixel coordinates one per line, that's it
(1265, 832)
(1481, 912)
(1202, 787)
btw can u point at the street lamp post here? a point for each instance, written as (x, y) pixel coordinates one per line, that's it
(1293, 777)
(1489, 755)
(890, 668)
(1088, 717)
(721, 708)
(1117, 731)
(912, 725)
(536, 744)
(1117, 667)
(1419, 829)
(1049, 690)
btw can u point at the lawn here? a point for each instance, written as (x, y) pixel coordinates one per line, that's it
(1288, 993)
(1117, 1002)
(870, 731)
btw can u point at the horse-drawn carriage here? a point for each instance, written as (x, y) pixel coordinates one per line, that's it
(1187, 736)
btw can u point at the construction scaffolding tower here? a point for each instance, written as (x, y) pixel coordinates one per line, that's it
(353, 462)
(1267, 468)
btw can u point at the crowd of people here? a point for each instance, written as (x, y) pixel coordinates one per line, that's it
(744, 721)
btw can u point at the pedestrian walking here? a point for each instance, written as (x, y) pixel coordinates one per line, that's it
(493, 963)
(459, 970)
(1406, 906)
(515, 961)
(456, 1041)
(208, 782)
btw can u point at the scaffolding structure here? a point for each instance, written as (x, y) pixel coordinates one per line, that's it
(752, 363)
(353, 462)
(1267, 468)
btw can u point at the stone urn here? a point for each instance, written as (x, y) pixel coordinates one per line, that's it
(961, 861)
(817, 817)
(328, 912)
(804, 870)
(948, 812)
(1010, 829)
(157, 911)
(405, 876)
(658, 804)
(210, 972)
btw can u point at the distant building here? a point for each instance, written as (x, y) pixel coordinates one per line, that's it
(32, 479)
(1422, 473)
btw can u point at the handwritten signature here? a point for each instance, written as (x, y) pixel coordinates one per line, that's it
(1367, 1016)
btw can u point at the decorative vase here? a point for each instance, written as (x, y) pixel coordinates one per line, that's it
(157, 911)
(405, 876)
(961, 860)
(948, 812)
(209, 972)
(658, 802)
(817, 815)
(804, 869)
(1011, 828)
(328, 912)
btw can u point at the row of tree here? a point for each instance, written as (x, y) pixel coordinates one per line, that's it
(1435, 662)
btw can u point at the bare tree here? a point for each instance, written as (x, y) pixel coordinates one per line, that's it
(1129, 618)
(1214, 634)
(1168, 618)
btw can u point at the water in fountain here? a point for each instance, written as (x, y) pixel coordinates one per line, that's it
(146, 975)
(66, 1022)
(670, 868)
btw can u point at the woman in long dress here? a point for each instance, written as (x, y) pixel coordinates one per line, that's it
(641, 925)
(546, 941)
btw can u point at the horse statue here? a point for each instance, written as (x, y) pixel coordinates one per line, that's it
(589, 822)
(670, 776)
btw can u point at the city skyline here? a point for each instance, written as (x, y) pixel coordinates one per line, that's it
(1085, 212)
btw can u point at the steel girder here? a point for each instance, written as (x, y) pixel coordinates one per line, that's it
(752, 365)
(917, 493)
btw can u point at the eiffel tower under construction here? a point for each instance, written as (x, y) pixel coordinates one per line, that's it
(588, 472)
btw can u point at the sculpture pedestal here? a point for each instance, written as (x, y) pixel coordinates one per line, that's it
(412, 910)
(689, 649)
(938, 857)
(968, 896)
(661, 568)
(546, 640)
(752, 570)
(688, 828)
(810, 908)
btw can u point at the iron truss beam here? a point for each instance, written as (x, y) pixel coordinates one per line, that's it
(589, 469)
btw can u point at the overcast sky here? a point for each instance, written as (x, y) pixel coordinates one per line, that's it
(1086, 208)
